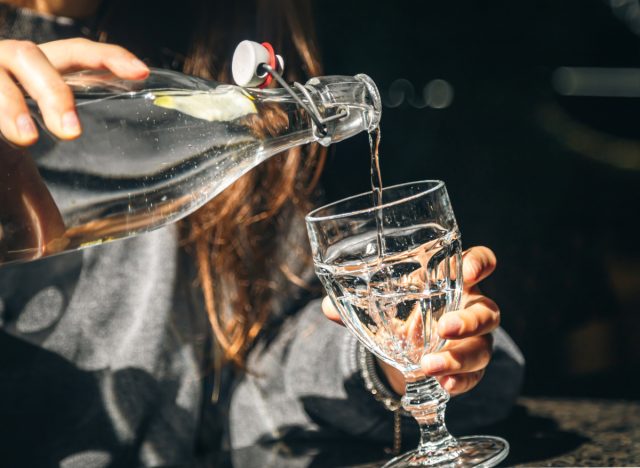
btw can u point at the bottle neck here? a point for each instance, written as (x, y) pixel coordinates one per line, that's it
(326, 109)
(348, 105)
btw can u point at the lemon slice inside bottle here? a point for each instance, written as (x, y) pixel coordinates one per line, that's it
(220, 105)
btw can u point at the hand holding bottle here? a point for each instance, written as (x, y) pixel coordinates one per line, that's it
(460, 365)
(30, 222)
(38, 68)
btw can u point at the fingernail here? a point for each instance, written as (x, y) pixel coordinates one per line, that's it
(70, 123)
(137, 63)
(433, 364)
(26, 127)
(452, 326)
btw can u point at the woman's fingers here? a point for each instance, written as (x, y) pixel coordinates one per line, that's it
(461, 365)
(37, 69)
(459, 357)
(31, 68)
(480, 316)
(461, 383)
(77, 54)
(16, 123)
(330, 311)
(477, 264)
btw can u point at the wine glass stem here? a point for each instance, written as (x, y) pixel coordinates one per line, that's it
(426, 400)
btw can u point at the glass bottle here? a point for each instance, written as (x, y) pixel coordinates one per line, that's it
(154, 151)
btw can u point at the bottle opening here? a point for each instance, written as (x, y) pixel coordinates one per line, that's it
(376, 101)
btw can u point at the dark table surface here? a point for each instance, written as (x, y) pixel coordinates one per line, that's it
(541, 431)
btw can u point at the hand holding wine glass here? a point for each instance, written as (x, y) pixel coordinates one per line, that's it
(394, 272)
(460, 365)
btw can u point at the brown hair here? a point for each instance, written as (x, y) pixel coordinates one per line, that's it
(234, 237)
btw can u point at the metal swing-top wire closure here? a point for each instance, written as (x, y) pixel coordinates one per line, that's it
(257, 64)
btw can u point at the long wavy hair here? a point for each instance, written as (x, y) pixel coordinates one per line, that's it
(236, 237)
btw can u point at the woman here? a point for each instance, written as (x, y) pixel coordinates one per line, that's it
(120, 355)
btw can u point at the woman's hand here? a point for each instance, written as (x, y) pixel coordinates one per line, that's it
(460, 365)
(36, 226)
(38, 69)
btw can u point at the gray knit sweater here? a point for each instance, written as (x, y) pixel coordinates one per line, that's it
(104, 359)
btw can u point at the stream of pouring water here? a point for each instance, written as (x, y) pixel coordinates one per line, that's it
(376, 187)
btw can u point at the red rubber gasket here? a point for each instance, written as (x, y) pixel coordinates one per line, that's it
(272, 63)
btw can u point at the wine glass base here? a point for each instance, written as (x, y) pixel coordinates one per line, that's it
(480, 451)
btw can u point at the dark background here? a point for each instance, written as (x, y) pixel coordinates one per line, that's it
(549, 182)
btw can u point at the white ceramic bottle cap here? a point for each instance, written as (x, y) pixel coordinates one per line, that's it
(247, 58)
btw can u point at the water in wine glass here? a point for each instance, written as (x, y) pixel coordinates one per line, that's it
(393, 303)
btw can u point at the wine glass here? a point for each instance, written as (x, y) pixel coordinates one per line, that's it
(392, 271)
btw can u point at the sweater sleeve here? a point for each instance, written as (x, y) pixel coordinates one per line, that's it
(305, 383)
